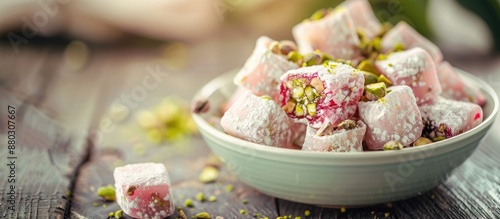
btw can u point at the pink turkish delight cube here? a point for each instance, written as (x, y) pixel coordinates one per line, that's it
(447, 118)
(340, 140)
(414, 68)
(405, 35)
(316, 93)
(393, 117)
(259, 120)
(143, 190)
(263, 69)
(335, 35)
(456, 88)
(362, 16)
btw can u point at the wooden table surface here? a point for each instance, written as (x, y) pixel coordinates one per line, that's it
(59, 165)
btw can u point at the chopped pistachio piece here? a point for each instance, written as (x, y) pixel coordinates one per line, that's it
(342, 210)
(325, 58)
(377, 45)
(311, 109)
(95, 204)
(200, 197)
(307, 213)
(438, 138)
(299, 111)
(188, 203)
(229, 187)
(107, 193)
(212, 198)
(318, 15)
(242, 211)
(422, 141)
(118, 214)
(399, 47)
(297, 92)
(384, 79)
(203, 215)
(377, 89)
(265, 97)
(393, 145)
(244, 201)
(381, 57)
(274, 47)
(317, 84)
(182, 215)
(111, 214)
(347, 124)
(208, 174)
(368, 66)
(295, 57)
(370, 78)
(289, 106)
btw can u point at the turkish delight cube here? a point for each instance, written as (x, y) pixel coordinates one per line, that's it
(362, 16)
(445, 118)
(403, 34)
(346, 137)
(324, 91)
(263, 69)
(414, 68)
(334, 34)
(259, 120)
(456, 88)
(395, 117)
(143, 190)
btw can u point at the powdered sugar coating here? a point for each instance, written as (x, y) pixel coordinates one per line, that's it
(334, 35)
(143, 190)
(404, 34)
(362, 16)
(394, 117)
(258, 120)
(339, 141)
(414, 68)
(343, 87)
(455, 88)
(457, 116)
(263, 69)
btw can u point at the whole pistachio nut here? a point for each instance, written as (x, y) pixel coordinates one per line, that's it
(287, 46)
(393, 145)
(422, 141)
(203, 215)
(107, 193)
(311, 59)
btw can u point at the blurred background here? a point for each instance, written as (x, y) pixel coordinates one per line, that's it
(80, 61)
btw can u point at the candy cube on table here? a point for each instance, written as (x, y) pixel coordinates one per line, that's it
(414, 68)
(259, 120)
(316, 93)
(456, 88)
(362, 16)
(333, 34)
(395, 117)
(445, 118)
(143, 190)
(263, 69)
(346, 137)
(408, 37)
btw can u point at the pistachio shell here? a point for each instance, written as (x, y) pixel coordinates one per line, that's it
(274, 47)
(287, 46)
(311, 59)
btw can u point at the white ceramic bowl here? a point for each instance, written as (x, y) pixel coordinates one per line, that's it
(339, 179)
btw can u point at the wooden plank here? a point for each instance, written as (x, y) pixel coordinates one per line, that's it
(184, 169)
(44, 158)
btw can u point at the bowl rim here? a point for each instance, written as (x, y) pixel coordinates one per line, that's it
(218, 82)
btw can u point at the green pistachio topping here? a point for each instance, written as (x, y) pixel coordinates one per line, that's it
(203, 215)
(378, 90)
(370, 78)
(368, 66)
(107, 193)
(118, 214)
(393, 145)
(422, 141)
(384, 79)
(200, 196)
(188, 203)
